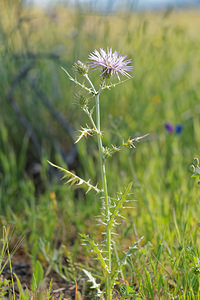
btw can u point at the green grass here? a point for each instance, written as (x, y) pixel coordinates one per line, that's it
(166, 87)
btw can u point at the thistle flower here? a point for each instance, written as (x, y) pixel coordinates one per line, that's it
(110, 62)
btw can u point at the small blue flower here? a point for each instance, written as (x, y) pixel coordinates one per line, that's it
(179, 128)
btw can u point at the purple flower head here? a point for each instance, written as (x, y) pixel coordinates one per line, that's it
(179, 128)
(110, 62)
(169, 127)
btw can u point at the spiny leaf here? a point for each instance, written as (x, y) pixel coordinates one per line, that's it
(95, 250)
(114, 84)
(77, 82)
(123, 260)
(74, 179)
(85, 132)
(94, 284)
(130, 143)
(129, 252)
(118, 206)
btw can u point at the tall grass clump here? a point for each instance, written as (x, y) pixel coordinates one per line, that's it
(110, 63)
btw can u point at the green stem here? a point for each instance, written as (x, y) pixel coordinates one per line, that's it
(91, 119)
(107, 202)
(105, 192)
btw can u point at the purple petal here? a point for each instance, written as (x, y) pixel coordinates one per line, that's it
(112, 62)
(169, 127)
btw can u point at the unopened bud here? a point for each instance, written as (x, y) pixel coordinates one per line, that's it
(81, 68)
(83, 101)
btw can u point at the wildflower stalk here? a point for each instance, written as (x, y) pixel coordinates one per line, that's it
(110, 63)
(105, 193)
(106, 199)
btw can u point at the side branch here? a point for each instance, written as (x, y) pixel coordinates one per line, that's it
(74, 179)
(77, 82)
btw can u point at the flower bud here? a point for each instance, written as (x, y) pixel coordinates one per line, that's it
(81, 68)
(83, 101)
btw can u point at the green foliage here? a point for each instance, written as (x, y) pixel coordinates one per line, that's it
(118, 206)
(12, 179)
(23, 294)
(55, 261)
(165, 48)
(4, 283)
(128, 291)
(38, 276)
(90, 244)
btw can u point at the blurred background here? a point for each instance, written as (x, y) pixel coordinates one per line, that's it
(116, 4)
(40, 116)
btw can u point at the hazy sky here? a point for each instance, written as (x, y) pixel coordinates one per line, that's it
(140, 2)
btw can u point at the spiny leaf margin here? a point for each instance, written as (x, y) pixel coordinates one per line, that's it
(95, 285)
(95, 249)
(74, 179)
(118, 206)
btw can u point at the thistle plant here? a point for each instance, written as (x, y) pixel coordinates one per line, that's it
(111, 64)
